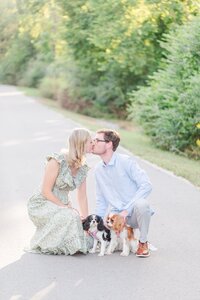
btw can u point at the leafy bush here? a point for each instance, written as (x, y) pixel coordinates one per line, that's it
(34, 73)
(58, 83)
(169, 108)
(14, 64)
(115, 44)
(50, 87)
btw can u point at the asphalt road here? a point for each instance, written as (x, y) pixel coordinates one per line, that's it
(28, 132)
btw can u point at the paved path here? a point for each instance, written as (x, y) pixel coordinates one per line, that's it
(28, 132)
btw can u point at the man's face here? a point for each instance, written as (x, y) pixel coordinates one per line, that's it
(99, 144)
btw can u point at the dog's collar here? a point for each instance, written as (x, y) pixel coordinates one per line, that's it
(93, 234)
(118, 233)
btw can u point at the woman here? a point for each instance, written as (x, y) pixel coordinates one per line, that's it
(58, 225)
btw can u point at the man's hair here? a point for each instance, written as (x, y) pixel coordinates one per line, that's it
(111, 136)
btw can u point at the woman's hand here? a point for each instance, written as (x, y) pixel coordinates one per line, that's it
(68, 205)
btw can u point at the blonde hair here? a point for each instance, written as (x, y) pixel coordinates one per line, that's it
(76, 147)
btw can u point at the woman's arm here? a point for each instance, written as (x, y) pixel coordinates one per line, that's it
(50, 175)
(82, 199)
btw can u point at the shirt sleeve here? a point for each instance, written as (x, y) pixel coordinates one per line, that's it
(140, 178)
(101, 203)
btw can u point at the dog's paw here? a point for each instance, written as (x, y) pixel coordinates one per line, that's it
(92, 251)
(101, 254)
(124, 253)
(134, 250)
(134, 246)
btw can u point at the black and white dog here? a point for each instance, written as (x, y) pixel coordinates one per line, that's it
(94, 226)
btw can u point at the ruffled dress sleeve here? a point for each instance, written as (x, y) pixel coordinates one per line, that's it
(82, 174)
(58, 157)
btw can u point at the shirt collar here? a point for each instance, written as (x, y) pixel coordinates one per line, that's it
(111, 162)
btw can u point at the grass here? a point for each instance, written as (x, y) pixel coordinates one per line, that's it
(134, 140)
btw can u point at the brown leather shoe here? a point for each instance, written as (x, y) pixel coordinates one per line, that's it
(143, 250)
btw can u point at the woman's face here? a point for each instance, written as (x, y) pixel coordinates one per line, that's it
(88, 145)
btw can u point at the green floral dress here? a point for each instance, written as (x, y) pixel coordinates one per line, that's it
(58, 230)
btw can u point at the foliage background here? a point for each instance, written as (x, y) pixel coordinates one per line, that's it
(102, 57)
(169, 109)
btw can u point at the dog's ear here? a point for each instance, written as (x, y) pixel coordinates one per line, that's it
(100, 225)
(86, 224)
(118, 223)
(106, 235)
(107, 217)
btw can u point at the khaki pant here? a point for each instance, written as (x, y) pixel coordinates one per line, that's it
(140, 218)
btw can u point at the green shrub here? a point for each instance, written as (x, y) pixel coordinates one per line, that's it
(115, 44)
(14, 63)
(34, 73)
(169, 108)
(58, 83)
(50, 87)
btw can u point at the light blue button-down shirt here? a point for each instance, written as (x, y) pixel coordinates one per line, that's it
(119, 184)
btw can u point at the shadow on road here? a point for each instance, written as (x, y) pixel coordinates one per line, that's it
(36, 276)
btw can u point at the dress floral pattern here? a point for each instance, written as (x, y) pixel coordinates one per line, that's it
(58, 230)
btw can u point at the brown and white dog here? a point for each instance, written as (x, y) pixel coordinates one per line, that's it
(120, 233)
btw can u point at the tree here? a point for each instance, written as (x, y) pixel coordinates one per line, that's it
(169, 108)
(116, 46)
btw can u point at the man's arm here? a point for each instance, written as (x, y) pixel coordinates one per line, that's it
(140, 178)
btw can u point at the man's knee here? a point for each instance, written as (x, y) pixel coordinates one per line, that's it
(141, 206)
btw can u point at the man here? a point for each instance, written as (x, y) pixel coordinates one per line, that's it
(122, 186)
